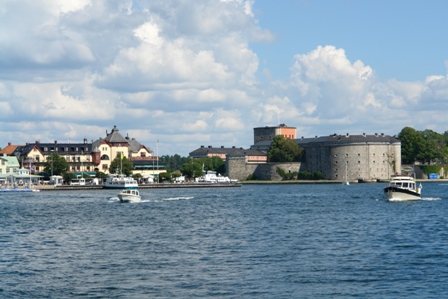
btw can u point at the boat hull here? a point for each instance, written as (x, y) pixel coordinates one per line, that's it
(129, 196)
(397, 194)
(20, 190)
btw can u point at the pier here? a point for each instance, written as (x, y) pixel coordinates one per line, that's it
(149, 186)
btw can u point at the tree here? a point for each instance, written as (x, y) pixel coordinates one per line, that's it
(164, 176)
(284, 150)
(191, 168)
(213, 164)
(172, 162)
(411, 143)
(121, 165)
(56, 164)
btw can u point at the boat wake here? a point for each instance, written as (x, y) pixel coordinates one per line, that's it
(177, 198)
(116, 199)
(431, 198)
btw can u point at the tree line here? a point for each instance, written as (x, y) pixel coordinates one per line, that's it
(425, 147)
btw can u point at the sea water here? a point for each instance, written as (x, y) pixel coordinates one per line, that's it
(256, 241)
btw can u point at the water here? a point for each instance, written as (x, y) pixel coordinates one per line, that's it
(273, 241)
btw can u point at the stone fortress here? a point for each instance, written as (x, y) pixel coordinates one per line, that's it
(339, 157)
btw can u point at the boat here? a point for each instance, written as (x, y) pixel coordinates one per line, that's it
(120, 181)
(346, 176)
(27, 188)
(129, 195)
(402, 188)
(212, 177)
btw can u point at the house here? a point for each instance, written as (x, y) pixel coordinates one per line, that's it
(114, 144)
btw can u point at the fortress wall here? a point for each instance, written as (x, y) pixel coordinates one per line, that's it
(367, 161)
(239, 169)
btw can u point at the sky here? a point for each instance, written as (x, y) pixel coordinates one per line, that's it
(179, 74)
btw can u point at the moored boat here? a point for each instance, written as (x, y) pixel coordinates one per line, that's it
(120, 181)
(129, 195)
(402, 188)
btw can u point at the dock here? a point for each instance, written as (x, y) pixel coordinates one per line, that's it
(149, 186)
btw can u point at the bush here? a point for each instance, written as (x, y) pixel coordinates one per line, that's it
(287, 176)
(306, 175)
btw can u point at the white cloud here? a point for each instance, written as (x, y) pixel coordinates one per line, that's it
(184, 72)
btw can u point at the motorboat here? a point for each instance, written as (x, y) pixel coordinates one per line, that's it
(120, 181)
(129, 195)
(402, 188)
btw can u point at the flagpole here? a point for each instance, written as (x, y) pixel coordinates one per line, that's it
(157, 155)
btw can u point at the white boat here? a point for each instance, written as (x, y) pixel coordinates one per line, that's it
(120, 181)
(346, 176)
(211, 177)
(129, 195)
(25, 189)
(403, 188)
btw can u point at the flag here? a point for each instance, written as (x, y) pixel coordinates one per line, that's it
(122, 156)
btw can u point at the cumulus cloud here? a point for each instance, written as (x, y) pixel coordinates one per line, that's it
(182, 72)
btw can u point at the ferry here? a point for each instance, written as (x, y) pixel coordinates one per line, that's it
(120, 181)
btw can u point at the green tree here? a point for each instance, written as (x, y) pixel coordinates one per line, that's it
(68, 176)
(213, 164)
(56, 164)
(412, 143)
(121, 165)
(165, 176)
(284, 150)
(191, 168)
(172, 162)
(101, 175)
(176, 174)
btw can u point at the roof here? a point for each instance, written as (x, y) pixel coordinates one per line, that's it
(276, 127)
(348, 139)
(134, 145)
(10, 160)
(58, 148)
(337, 139)
(115, 137)
(9, 149)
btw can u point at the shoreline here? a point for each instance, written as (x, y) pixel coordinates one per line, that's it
(223, 185)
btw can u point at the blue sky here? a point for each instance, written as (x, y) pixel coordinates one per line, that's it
(399, 39)
(206, 72)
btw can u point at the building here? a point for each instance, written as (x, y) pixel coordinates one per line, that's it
(114, 144)
(340, 157)
(8, 165)
(80, 156)
(87, 157)
(268, 133)
(359, 157)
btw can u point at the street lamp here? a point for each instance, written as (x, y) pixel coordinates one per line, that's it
(52, 158)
